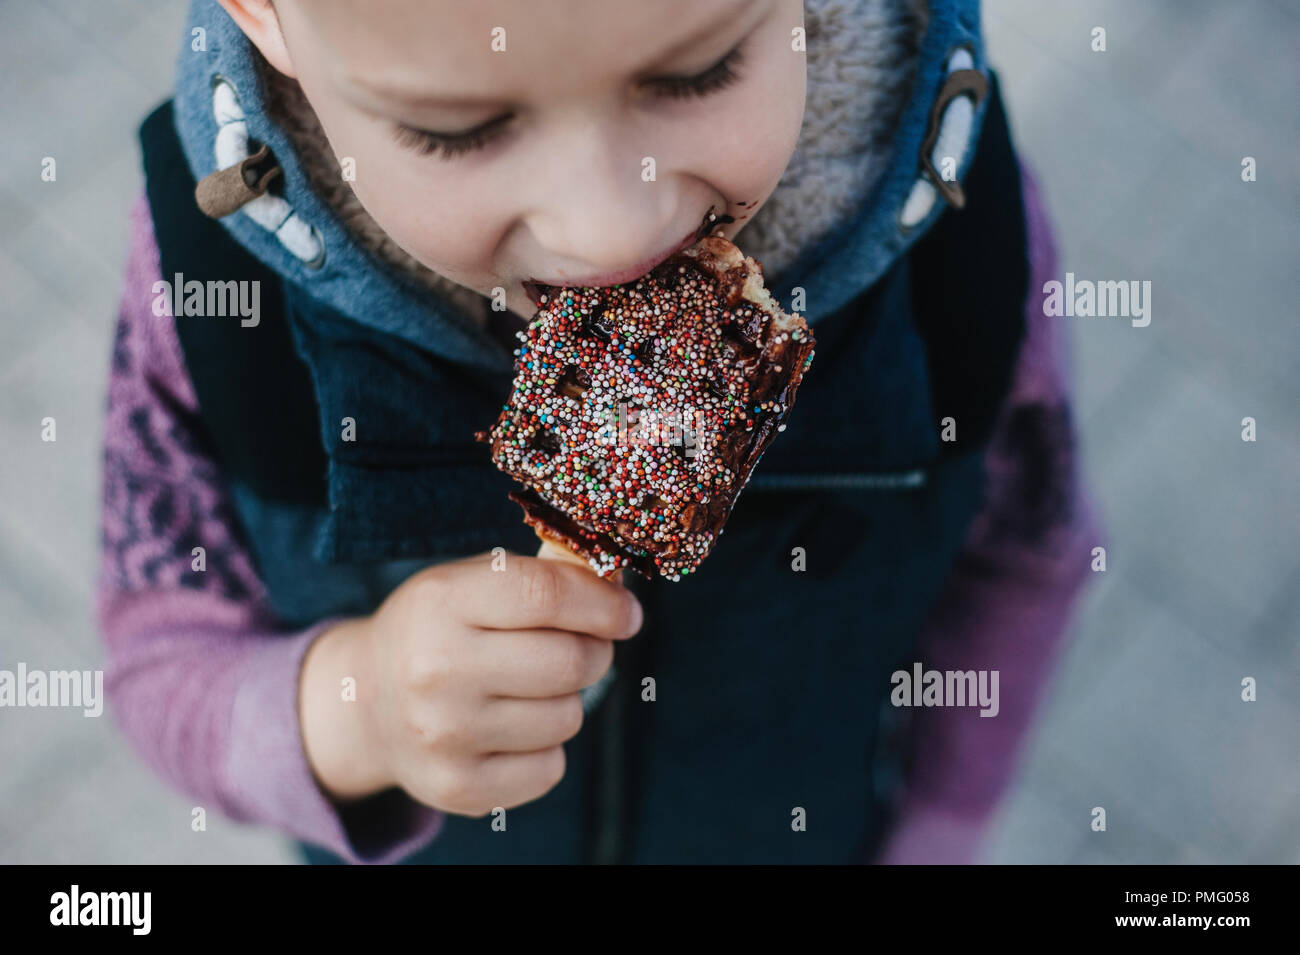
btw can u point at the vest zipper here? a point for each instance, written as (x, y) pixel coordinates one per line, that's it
(761, 480)
(844, 481)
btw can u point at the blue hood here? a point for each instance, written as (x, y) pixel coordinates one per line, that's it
(298, 236)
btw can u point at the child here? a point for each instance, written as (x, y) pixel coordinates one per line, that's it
(315, 595)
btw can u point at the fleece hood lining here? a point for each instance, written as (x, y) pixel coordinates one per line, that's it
(301, 236)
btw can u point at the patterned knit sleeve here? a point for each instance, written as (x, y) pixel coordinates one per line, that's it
(1008, 604)
(197, 674)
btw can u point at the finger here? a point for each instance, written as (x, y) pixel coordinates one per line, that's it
(509, 779)
(535, 664)
(510, 725)
(532, 593)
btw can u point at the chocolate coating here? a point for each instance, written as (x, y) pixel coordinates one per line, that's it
(640, 410)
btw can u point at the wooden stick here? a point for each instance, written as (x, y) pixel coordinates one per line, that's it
(551, 550)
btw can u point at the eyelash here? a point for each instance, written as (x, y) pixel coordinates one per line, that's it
(427, 143)
(722, 74)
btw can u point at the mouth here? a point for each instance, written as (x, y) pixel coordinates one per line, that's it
(535, 287)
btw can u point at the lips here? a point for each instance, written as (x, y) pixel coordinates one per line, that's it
(534, 288)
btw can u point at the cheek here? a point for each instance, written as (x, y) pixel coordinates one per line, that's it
(426, 207)
(436, 214)
(745, 148)
(445, 223)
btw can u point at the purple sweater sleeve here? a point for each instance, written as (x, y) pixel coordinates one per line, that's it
(1008, 604)
(198, 675)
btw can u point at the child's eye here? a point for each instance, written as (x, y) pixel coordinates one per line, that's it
(449, 145)
(719, 75)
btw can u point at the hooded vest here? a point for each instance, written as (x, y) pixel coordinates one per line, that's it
(770, 665)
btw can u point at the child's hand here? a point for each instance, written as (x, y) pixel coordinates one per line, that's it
(467, 683)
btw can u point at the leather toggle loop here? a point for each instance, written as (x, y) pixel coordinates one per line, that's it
(970, 83)
(230, 189)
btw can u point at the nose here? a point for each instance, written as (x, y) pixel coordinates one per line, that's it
(594, 212)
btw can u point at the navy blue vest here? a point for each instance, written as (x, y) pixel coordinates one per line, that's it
(771, 683)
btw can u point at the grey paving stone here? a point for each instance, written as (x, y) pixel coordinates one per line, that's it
(1276, 638)
(1121, 846)
(1107, 352)
(1093, 151)
(40, 626)
(1168, 733)
(1244, 314)
(93, 215)
(1073, 789)
(1282, 843)
(1203, 521)
(70, 80)
(78, 283)
(112, 810)
(1181, 187)
(1230, 74)
(1032, 828)
(1109, 612)
(51, 489)
(38, 615)
(1065, 30)
(25, 313)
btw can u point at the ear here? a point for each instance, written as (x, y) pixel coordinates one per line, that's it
(258, 20)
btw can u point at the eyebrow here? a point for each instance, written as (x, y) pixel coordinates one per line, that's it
(423, 98)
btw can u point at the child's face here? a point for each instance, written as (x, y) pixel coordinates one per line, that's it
(565, 103)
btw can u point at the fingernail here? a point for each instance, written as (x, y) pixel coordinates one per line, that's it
(638, 615)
